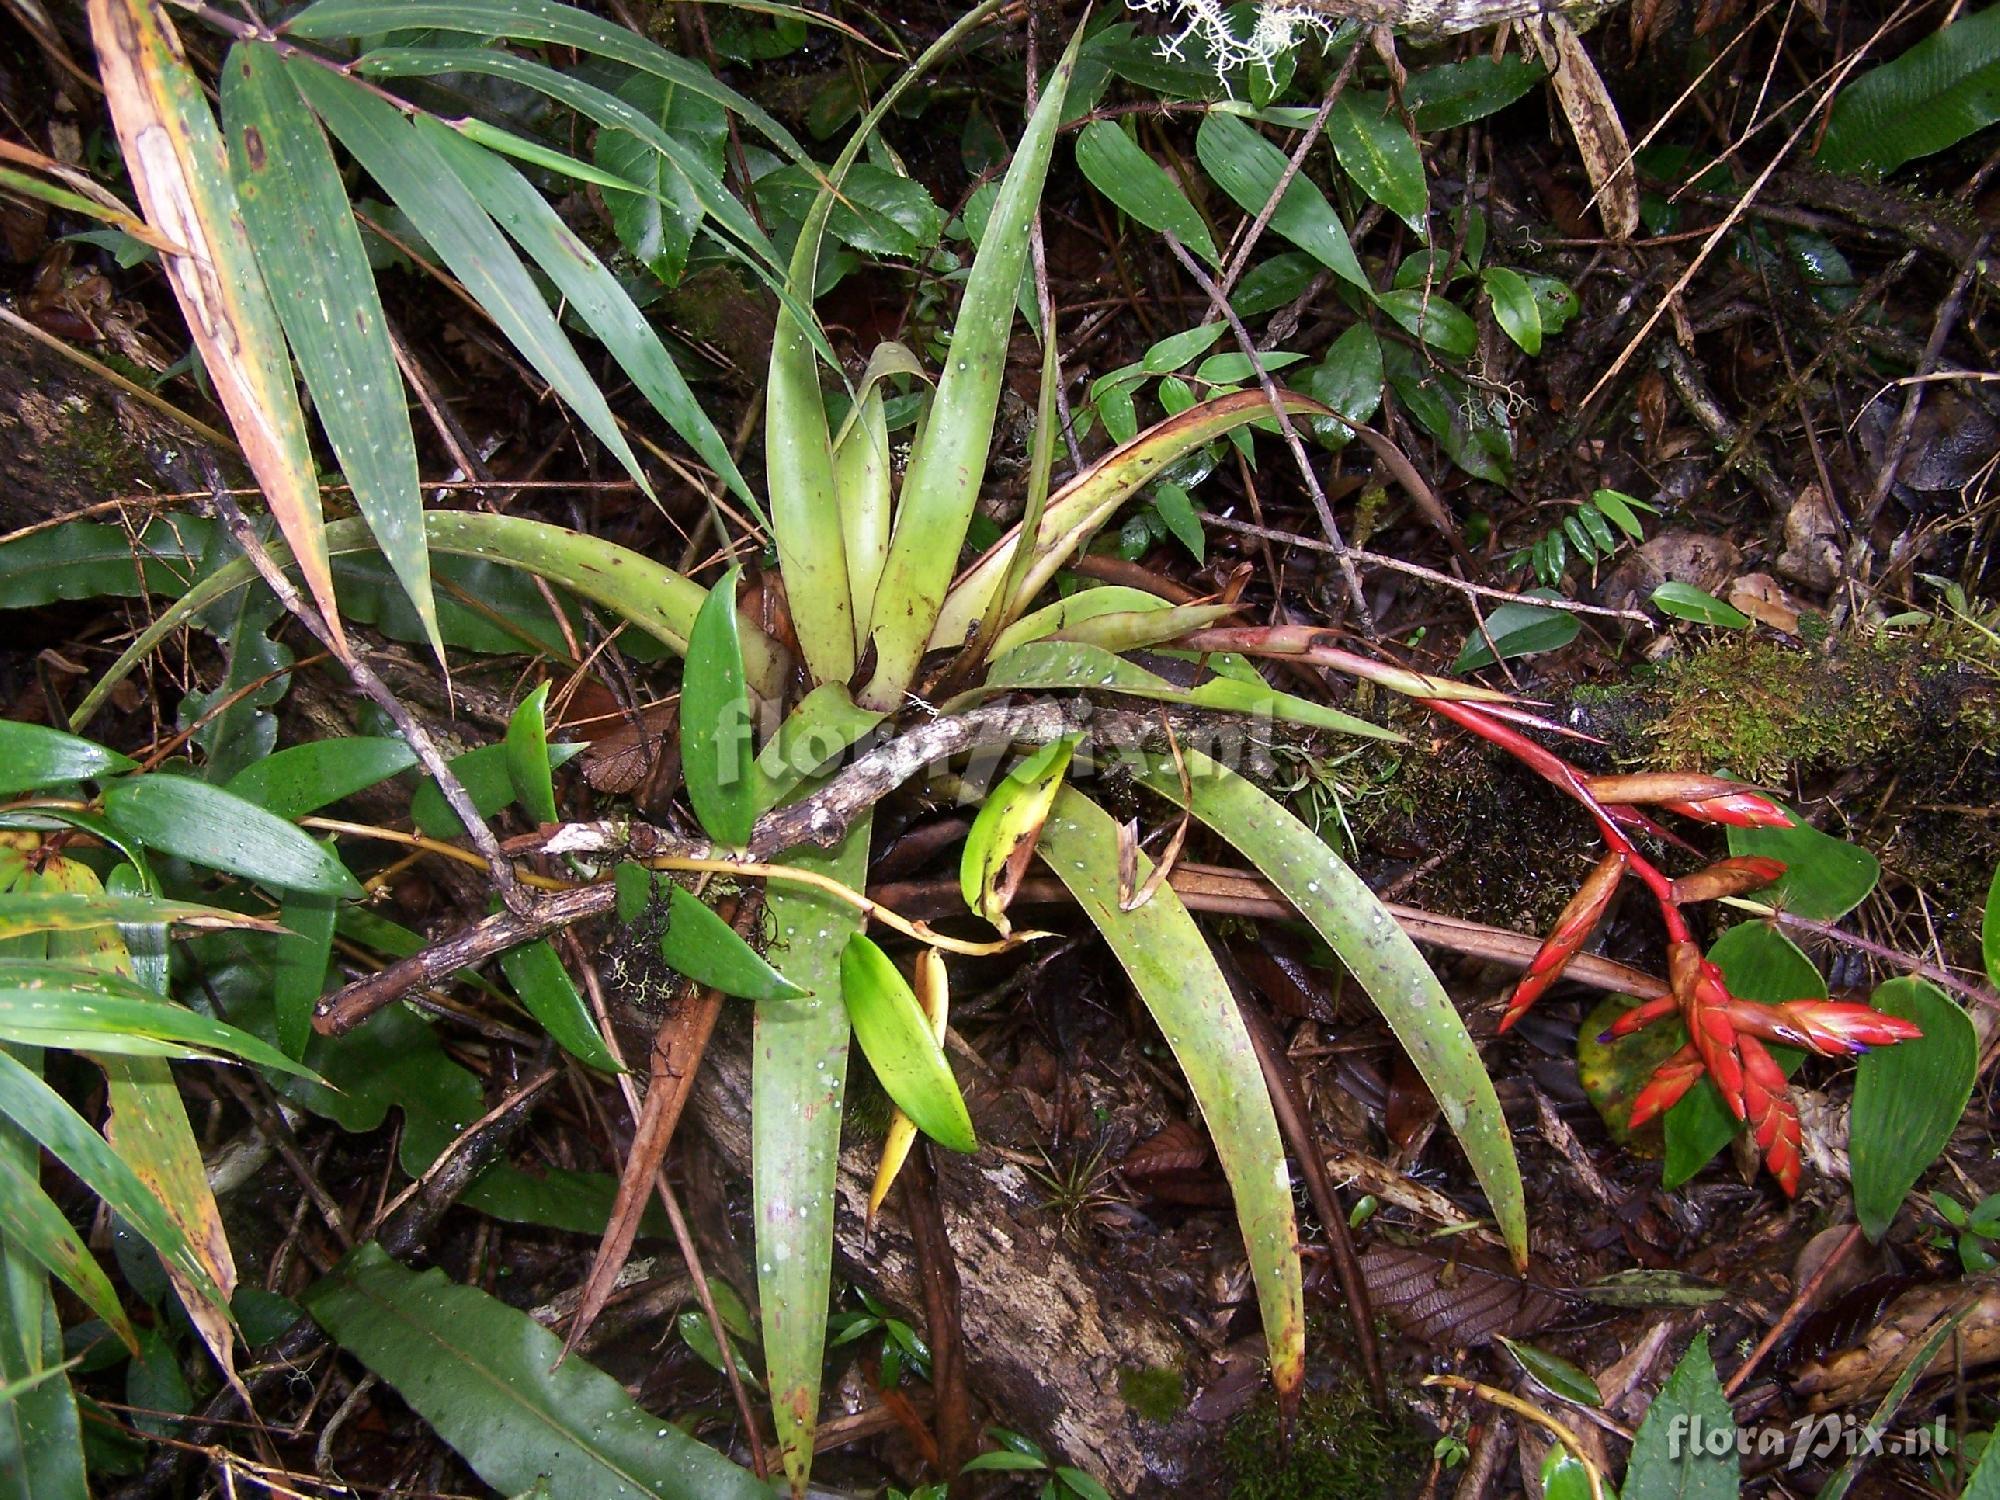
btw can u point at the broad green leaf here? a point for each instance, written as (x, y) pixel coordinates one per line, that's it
(1758, 963)
(83, 560)
(33, 756)
(1825, 878)
(180, 170)
(538, 21)
(539, 978)
(1247, 167)
(879, 212)
(797, 1083)
(1472, 434)
(1936, 94)
(1270, 284)
(948, 466)
(658, 225)
(1554, 1373)
(1086, 502)
(1453, 94)
(527, 756)
(1355, 924)
(592, 292)
(1169, 964)
(699, 944)
(1686, 602)
(302, 779)
(1514, 307)
(46, 1004)
(716, 752)
(1908, 1099)
(295, 207)
(209, 826)
(1140, 186)
(41, 1113)
(36, 1227)
(896, 1037)
(69, 911)
(1002, 838)
(1428, 316)
(427, 186)
(1377, 152)
(492, 1383)
(1668, 1463)
(1349, 380)
(488, 779)
(656, 599)
(298, 976)
(1515, 630)
(1055, 665)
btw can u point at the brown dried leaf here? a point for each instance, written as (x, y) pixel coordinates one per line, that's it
(1865, 1369)
(1593, 119)
(1456, 1301)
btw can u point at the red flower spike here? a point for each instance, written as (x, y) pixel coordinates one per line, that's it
(1728, 877)
(1739, 809)
(1832, 1028)
(1670, 1080)
(1641, 1016)
(1572, 930)
(1772, 1117)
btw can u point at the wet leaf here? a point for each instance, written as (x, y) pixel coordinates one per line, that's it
(488, 781)
(1554, 1373)
(1825, 878)
(1686, 602)
(33, 756)
(1247, 167)
(1516, 630)
(1943, 89)
(1453, 94)
(1514, 307)
(1377, 153)
(302, 779)
(1140, 186)
(539, 978)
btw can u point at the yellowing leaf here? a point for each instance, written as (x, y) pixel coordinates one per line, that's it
(180, 171)
(1002, 838)
(934, 999)
(901, 1045)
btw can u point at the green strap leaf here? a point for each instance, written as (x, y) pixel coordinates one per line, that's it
(424, 184)
(897, 1039)
(62, 1005)
(1169, 964)
(493, 1383)
(302, 230)
(302, 779)
(209, 826)
(1355, 924)
(298, 976)
(716, 752)
(942, 483)
(69, 911)
(798, 1081)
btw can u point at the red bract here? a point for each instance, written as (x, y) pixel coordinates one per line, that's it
(1728, 877)
(1670, 1080)
(1744, 809)
(1572, 930)
(1832, 1028)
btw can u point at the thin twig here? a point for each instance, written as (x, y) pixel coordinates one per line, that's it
(412, 730)
(1248, 345)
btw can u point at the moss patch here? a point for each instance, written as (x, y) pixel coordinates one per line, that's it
(1342, 1449)
(1155, 1393)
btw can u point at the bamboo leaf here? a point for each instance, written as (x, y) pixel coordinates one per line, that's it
(302, 779)
(298, 976)
(425, 186)
(67, 911)
(716, 753)
(180, 171)
(215, 828)
(493, 1384)
(302, 230)
(1169, 964)
(49, 1004)
(949, 464)
(904, 1051)
(1248, 168)
(36, 1227)
(41, 1447)
(593, 293)
(537, 21)
(797, 1083)
(1355, 924)
(1140, 186)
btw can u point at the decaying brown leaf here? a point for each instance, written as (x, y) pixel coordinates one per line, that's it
(1593, 119)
